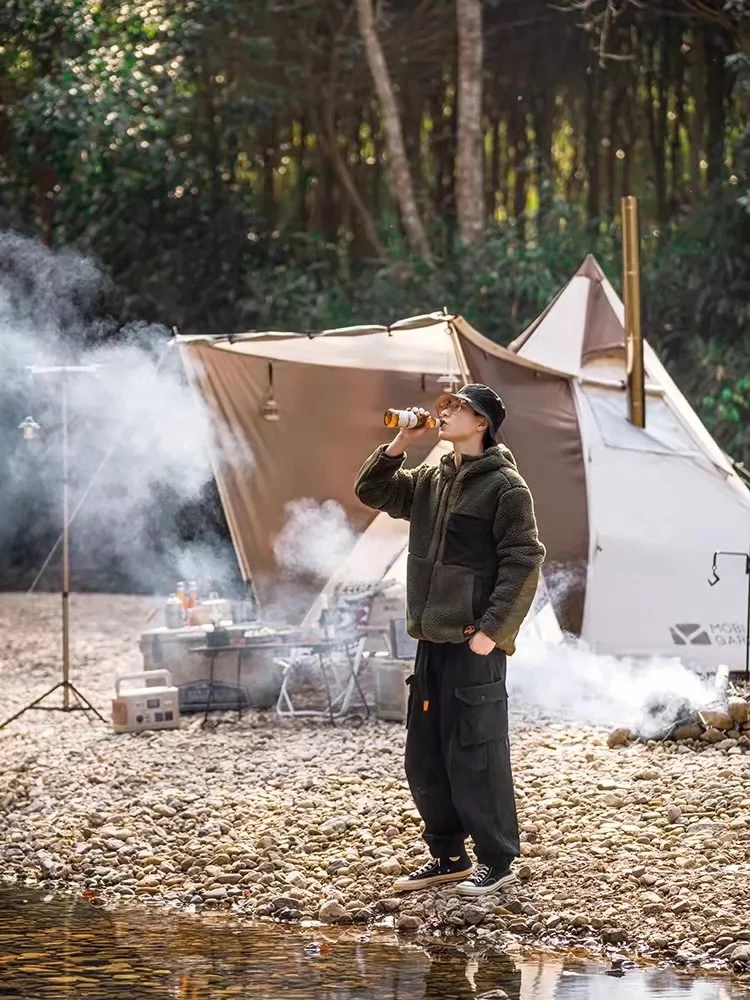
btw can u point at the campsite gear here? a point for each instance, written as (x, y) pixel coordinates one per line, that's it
(464, 524)
(458, 753)
(406, 420)
(390, 687)
(260, 676)
(173, 612)
(146, 705)
(610, 498)
(486, 879)
(435, 872)
(338, 663)
(218, 609)
(180, 591)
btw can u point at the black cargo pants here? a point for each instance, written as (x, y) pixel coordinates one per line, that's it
(458, 752)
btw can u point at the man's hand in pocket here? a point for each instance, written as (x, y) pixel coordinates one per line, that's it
(481, 644)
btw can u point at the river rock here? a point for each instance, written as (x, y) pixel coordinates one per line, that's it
(739, 710)
(712, 735)
(473, 914)
(215, 894)
(741, 954)
(408, 922)
(390, 866)
(331, 912)
(690, 731)
(714, 718)
(619, 737)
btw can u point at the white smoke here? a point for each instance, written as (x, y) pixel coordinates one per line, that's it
(315, 539)
(570, 682)
(136, 404)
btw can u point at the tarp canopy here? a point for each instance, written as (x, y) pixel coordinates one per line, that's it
(630, 517)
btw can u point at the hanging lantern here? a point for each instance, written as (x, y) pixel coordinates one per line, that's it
(450, 381)
(29, 428)
(271, 411)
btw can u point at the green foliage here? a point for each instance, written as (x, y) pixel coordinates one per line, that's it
(192, 148)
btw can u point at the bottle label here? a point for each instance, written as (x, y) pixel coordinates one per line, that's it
(407, 419)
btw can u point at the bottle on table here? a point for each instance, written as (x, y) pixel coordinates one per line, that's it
(192, 594)
(180, 593)
(173, 612)
(408, 420)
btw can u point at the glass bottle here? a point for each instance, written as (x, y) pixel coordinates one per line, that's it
(408, 420)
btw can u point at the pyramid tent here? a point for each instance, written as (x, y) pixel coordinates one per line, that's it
(630, 517)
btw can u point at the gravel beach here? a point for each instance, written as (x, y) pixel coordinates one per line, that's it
(640, 849)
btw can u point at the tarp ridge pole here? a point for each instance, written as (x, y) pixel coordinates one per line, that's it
(462, 366)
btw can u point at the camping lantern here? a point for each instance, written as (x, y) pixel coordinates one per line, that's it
(450, 381)
(29, 428)
(271, 407)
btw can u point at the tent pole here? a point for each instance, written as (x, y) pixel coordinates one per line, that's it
(462, 366)
(631, 287)
(247, 577)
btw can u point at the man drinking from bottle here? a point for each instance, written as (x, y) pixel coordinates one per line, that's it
(473, 568)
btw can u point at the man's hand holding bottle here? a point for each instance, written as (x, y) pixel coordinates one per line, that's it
(406, 436)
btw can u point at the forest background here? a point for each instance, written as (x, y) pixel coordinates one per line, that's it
(302, 164)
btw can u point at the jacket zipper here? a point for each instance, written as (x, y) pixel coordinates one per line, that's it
(442, 517)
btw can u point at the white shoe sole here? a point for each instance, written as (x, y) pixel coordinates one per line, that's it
(402, 885)
(467, 889)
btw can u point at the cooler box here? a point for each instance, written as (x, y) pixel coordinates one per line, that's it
(170, 649)
(152, 702)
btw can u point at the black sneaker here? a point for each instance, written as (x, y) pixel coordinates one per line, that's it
(485, 879)
(435, 872)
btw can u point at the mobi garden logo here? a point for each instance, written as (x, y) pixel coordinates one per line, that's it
(720, 634)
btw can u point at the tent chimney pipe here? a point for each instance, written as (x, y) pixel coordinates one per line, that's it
(631, 286)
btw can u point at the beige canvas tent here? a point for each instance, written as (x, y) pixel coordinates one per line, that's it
(630, 517)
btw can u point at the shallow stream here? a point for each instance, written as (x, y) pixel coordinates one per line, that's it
(61, 947)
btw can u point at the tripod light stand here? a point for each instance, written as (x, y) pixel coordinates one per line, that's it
(30, 429)
(714, 579)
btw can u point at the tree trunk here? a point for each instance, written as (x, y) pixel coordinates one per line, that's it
(268, 197)
(615, 104)
(542, 115)
(717, 92)
(656, 116)
(677, 126)
(328, 141)
(697, 121)
(592, 147)
(493, 185)
(402, 181)
(517, 125)
(470, 157)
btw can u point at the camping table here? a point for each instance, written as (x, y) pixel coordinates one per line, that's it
(321, 648)
(317, 647)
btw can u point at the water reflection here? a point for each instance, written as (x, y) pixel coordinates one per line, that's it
(64, 947)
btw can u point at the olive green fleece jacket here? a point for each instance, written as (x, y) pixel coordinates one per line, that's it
(474, 551)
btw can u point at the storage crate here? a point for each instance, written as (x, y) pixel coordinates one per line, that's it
(391, 690)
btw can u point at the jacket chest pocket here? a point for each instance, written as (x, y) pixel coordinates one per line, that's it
(469, 542)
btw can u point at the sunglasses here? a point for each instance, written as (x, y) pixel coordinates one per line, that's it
(451, 407)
